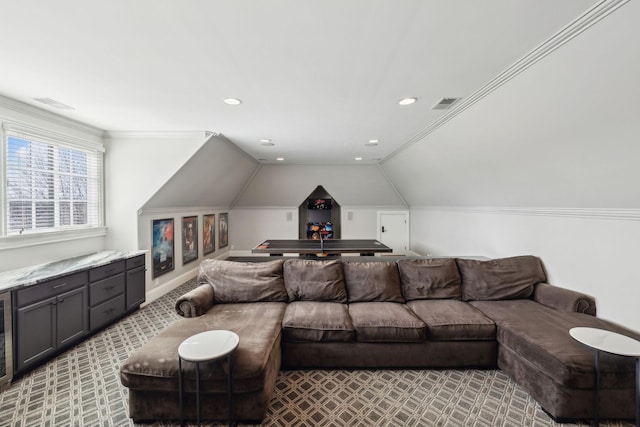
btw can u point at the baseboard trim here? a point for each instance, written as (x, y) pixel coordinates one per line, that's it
(168, 286)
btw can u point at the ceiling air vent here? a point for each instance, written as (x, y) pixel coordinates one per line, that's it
(445, 103)
(53, 103)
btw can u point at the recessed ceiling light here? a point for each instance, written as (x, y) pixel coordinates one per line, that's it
(358, 158)
(280, 159)
(372, 143)
(407, 101)
(266, 142)
(233, 101)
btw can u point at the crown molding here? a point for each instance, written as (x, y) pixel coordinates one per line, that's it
(39, 113)
(573, 29)
(589, 213)
(134, 134)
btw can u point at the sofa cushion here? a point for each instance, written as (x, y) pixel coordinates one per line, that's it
(372, 281)
(540, 335)
(317, 321)
(429, 278)
(154, 367)
(386, 322)
(496, 279)
(453, 320)
(235, 282)
(310, 280)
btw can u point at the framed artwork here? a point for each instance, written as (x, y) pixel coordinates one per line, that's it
(224, 230)
(209, 233)
(189, 239)
(162, 246)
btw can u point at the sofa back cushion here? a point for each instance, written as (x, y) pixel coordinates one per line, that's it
(436, 278)
(497, 279)
(372, 281)
(310, 280)
(235, 282)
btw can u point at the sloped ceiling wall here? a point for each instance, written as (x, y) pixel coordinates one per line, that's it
(564, 133)
(290, 185)
(213, 176)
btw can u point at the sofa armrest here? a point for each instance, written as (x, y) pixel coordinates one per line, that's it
(564, 299)
(196, 302)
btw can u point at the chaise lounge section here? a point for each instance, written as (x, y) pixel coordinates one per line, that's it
(414, 313)
(151, 373)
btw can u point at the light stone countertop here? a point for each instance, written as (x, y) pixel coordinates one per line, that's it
(32, 275)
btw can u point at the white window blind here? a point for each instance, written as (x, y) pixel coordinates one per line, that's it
(50, 185)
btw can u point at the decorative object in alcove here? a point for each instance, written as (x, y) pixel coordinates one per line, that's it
(319, 216)
(320, 203)
(224, 230)
(162, 246)
(189, 239)
(208, 233)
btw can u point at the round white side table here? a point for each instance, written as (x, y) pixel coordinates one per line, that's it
(205, 347)
(614, 343)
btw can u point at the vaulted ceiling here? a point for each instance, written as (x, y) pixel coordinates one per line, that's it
(319, 79)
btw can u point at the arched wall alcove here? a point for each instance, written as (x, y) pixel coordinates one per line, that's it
(319, 215)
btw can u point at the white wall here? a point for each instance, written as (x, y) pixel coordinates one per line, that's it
(363, 223)
(290, 185)
(136, 166)
(250, 226)
(562, 133)
(597, 255)
(17, 257)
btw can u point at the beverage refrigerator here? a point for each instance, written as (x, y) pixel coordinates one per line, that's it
(6, 343)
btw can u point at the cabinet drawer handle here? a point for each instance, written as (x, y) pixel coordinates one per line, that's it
(109, 288)
(59, 285)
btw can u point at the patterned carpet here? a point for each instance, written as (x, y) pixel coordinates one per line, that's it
(81, 387)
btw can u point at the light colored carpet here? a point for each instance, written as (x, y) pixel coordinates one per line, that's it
(81, 387)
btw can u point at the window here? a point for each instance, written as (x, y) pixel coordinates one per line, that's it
(52, 183)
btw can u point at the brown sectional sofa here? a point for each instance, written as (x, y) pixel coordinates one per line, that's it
(413, 313)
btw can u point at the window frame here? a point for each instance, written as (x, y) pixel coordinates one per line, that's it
(48, 235)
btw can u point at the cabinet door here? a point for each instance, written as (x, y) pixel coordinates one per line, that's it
(36, 332)
(72, 316)
(135, 287)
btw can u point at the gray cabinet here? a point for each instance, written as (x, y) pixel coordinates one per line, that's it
(106, 294)
(135, 280)
(49, 317)
(71, 317)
